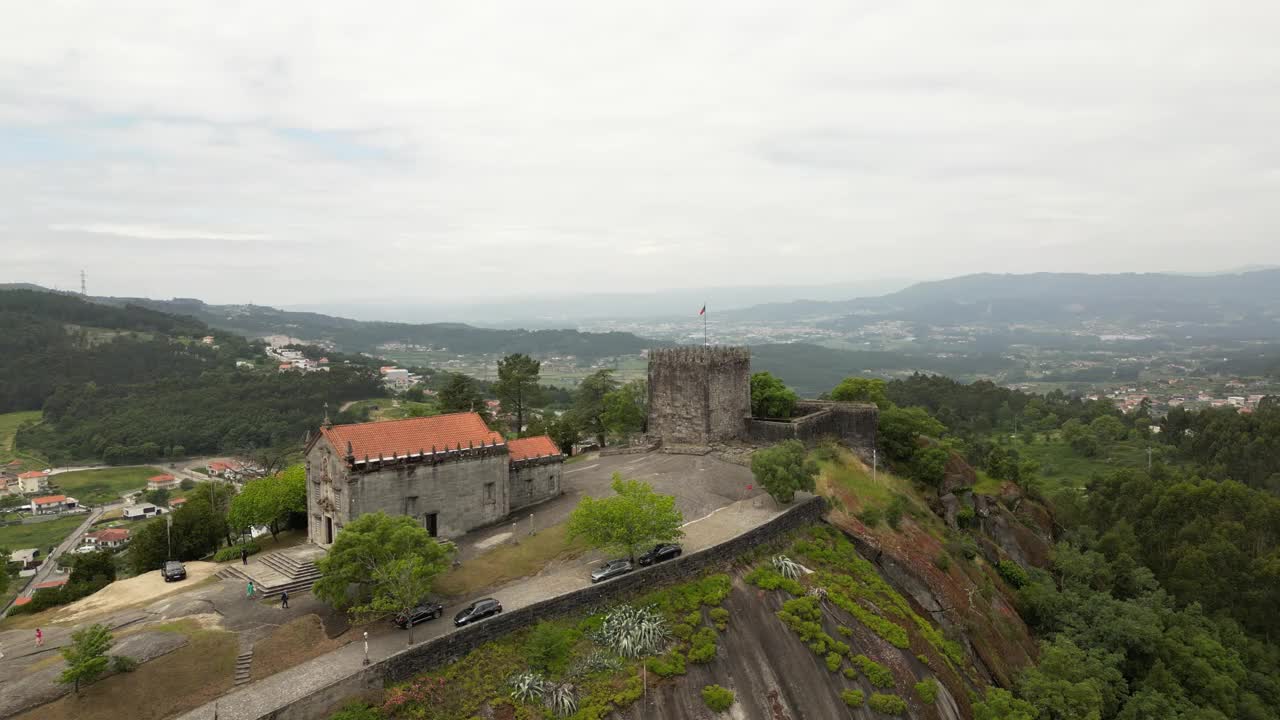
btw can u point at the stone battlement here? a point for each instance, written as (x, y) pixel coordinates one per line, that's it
(701, 355)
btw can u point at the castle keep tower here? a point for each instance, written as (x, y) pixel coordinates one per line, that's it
(699, 395)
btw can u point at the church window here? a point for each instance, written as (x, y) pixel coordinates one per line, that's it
(488, 492)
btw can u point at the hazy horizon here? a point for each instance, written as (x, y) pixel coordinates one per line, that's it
(321, 153)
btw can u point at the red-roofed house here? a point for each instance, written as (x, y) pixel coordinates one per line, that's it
(53, 504)
(451, 472)
(109, 538)
(22, 600)
(162, 482)
(32, 482)
(50, 585)
(176, 503)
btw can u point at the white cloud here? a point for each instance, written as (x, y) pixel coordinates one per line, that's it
(617, 146)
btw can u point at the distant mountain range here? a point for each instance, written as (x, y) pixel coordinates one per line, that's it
(1053, 298)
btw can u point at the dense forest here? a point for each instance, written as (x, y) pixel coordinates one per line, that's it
(129, 384)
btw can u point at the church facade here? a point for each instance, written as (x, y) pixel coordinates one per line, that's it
(449, 472)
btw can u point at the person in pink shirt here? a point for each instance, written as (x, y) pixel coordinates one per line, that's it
(39, 638)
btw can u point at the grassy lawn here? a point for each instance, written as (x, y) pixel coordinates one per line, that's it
(986, 484)
(509, 562)
(291, 644)
(186, 678)
(857, 479)
(9, 423)
(95, 487)
(39, 535)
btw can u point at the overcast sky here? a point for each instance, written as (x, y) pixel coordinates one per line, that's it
(302, 152)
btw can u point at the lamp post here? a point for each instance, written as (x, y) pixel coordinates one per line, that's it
(366, 647)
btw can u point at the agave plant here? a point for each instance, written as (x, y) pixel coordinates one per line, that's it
(562, 699)
(787, 567)
(527, 686)
(597, 661)
(634, 632)
(817, 592)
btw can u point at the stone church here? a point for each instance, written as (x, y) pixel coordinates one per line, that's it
(449, 472)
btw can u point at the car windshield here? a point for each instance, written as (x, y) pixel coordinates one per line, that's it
(171, 565)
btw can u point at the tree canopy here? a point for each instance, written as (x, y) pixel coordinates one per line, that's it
(860, 389)
(634, 518)
(86, 656)
(517, 386)
(784, 469)
(626, 410)
(389, 559)
(770, 398)
(270, 500)
(589, 403)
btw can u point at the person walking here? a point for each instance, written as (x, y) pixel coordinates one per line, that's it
(39, 638)
(244, 555)
(284, 600)
(248, 590)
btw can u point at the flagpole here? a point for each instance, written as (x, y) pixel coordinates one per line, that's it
(704, 325)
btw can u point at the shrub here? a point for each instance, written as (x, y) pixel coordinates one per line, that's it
(681, 631)
(849, 672)
(887, 704)
(693, 619)
(123, 664)
(966, 518)
(232, 552)
(562, 699)
(893, 513)
(833, 661)
(942, 561)
(1012, 573)
(598, 661)
(668, 665)
(870, 517)
(720, 617)
(845, 631)
(879, 675)
(717, 698)
(548, 647)
(927, 689)
(852, 698)
(527, 686)
(766, 578)
(702, 647)
(632, 632)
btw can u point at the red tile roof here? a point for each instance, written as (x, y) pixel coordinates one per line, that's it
(49, 499)
(32, 474)
(403, 437)
(109, 535)
(531, 447)
(49, 585)
(22, 600)
(160, 478)
(177, 501)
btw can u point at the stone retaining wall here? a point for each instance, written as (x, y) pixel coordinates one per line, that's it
(410, 662)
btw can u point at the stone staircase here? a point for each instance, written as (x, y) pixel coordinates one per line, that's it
(231, 573)
(299, 574)
(243, 661)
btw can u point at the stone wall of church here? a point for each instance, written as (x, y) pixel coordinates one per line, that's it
(464, 493)
(533, 481)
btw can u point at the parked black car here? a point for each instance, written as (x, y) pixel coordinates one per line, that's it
(611, 569)
(422, 613)
(173, 570)
(664, 551)
(476, 611)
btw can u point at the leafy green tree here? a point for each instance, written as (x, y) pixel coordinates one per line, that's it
(86, 656)
(771, 398)
(632, 519)
(1108, 428)
(588, 403)
(269, 501)
(1071, 682)
(562, 429)
(517, 385)
(460, 394)
(858, 389)
(380, 564)
(197, 531)
(901, 427)
(626, 410)
(159, 496)
(930, 466)
(11, 501)
(1002, 705)
(784, 469)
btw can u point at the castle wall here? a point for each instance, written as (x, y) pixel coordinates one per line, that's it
(699, 395)
(532, 481)
(852, 423)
